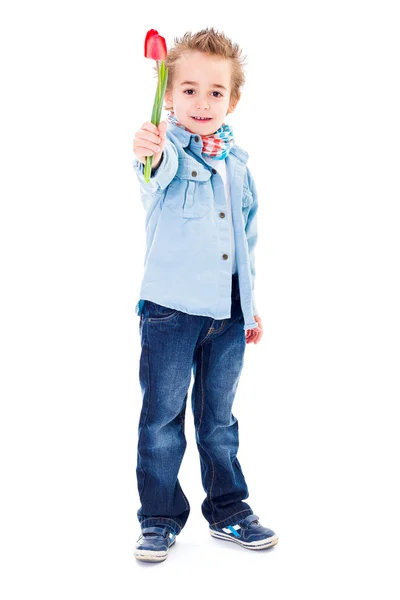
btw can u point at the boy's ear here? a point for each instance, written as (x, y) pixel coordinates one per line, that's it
(168, 99)
(233, 106)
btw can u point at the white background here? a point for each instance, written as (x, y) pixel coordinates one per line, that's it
(317, 399)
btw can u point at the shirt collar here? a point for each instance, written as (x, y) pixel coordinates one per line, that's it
(186, 138)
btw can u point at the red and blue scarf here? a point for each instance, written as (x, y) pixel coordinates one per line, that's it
(216, 145)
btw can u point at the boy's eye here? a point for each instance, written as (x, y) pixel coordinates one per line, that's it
(193, 91)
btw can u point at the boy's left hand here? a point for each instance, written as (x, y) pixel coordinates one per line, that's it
(255, 335)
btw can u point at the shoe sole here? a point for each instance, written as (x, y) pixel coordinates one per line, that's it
(153, 555)
(257, 545)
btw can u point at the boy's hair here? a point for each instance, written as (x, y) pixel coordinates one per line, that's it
(211, 42)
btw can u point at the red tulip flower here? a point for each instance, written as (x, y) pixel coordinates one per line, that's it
(156, 48)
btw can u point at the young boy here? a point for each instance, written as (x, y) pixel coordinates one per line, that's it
(196, 298)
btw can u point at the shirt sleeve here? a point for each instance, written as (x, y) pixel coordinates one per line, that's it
(252, 235)
(164, 173)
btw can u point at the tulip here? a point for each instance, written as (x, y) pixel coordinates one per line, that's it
(156, 49)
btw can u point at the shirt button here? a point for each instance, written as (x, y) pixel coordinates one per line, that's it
(196, 138)
(224, 256)
(214, 171)
(222, 215)
(194, 173)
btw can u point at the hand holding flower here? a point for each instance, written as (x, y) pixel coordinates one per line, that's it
(150, 141)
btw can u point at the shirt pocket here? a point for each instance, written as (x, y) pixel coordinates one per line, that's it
(189, 194)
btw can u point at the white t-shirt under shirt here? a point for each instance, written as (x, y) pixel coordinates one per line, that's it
(220, 166)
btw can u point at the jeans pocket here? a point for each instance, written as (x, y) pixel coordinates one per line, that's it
(158, 312)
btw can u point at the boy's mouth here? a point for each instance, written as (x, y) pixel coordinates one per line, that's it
(202, 119)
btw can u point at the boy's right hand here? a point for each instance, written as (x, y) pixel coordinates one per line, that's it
(150, 140)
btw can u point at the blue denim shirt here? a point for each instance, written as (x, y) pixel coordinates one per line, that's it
(187, 264)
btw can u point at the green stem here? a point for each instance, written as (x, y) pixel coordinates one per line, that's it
(156, 112)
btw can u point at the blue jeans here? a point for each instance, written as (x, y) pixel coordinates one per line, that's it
(172, 343)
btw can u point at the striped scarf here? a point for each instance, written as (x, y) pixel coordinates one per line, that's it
(216, 145)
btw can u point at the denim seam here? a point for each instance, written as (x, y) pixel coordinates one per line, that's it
(163, 319)
(201, 419)
(221, 327)
(182, 416)
(209, 334)
(148, 403)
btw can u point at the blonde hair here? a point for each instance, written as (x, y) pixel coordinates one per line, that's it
(211, 42)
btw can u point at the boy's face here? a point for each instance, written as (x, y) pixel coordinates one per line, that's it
(202, 97)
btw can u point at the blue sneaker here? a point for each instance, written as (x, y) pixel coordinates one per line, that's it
(153, 544)
(248, 532)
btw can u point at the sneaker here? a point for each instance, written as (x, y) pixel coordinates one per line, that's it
(248, 532)
(153, 544)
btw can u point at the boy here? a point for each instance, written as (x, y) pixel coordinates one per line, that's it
(196, 297)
